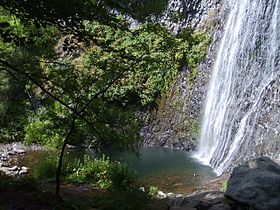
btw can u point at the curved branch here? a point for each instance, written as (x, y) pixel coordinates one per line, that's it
(78, 114)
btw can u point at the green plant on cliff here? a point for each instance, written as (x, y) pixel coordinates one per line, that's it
(198, 43)
(225, 186)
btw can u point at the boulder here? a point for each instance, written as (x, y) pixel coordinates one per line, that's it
(23, 170)
(256, 185)
(213, 200)
(4, 158)
(220, 206)
(69, 146)
(11, 152)
(17, 150)
(9, 171)
(13, 168)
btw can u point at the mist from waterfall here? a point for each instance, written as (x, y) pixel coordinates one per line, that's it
(244, 77)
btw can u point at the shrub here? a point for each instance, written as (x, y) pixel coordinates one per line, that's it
(16, 183)
(121, 176)
(45, 169)
(120, 181)
(153, 192)
(41, 129)
(101, 173)
(95, 172)
(129, 199)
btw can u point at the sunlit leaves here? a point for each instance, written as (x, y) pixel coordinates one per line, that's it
(146, 57)
(69, 15)
(102, 77)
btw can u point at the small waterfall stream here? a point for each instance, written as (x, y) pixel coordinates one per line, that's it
(243, 98)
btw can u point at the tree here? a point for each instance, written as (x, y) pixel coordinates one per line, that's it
(69, 15)
(83, 69)
(117, 64)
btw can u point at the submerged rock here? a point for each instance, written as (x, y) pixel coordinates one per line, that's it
(256, 185)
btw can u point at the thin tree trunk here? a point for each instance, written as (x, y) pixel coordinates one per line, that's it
(59, 167)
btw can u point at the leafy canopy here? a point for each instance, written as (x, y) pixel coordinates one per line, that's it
(101, 80)
(69, 15)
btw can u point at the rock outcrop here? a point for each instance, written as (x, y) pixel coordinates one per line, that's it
(255, 185)
(252, 186)
(175, 121)
(8, 153)
(211, 200)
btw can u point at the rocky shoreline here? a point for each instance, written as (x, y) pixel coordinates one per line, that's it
(10, 153)
(252, 186)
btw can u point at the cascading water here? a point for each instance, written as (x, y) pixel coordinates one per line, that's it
(245, 77)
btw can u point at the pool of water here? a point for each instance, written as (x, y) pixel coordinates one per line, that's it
(171, 170)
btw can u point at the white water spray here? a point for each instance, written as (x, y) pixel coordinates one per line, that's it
(245, 70)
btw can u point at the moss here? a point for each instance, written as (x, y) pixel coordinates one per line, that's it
(192, 128)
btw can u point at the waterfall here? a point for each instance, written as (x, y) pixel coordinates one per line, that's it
(243, 94)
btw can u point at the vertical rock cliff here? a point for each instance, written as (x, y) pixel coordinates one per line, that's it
(175, 121)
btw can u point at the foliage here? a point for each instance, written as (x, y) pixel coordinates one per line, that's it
(153, 191)
(147, 59)
(122, 177)
(110, 77)
(15, 183)
(123, 69)
(198, 43)
(69, 16)
(225, 186)
(12, 109)
(18, 43)
(125, 200)
(45, 169)
(101, 173)
(122, 189)
(41, 129)
(93, 172)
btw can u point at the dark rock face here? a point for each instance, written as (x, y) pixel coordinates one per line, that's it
(188, 13)
(175, 121)
(213, 200)
(256, 185)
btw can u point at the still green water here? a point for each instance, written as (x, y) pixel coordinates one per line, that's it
(171, 170)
